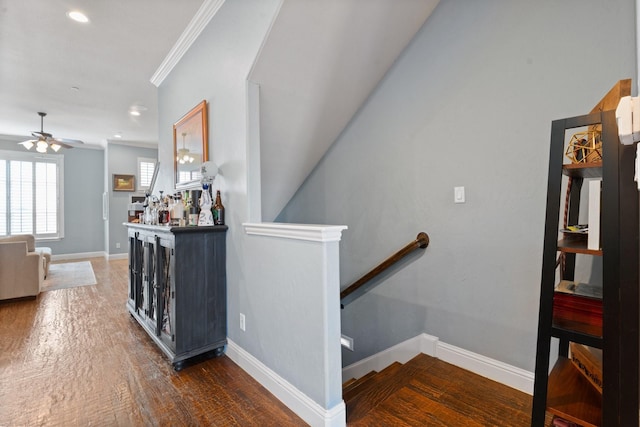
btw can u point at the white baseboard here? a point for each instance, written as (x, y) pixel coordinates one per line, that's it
(501, 372)
(310, 411)
(64, 257)
(402, 353)
(109, 257)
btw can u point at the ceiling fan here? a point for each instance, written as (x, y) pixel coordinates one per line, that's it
(45, 140)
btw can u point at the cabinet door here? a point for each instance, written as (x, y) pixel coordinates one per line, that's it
(136, 272)
(152, 285)
(166, 269)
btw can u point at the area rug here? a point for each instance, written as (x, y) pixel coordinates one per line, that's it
(69, 275)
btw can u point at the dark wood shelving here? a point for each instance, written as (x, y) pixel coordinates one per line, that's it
(571, 397)
(566, 391)
(577, 246)
(583, 170)
(571, 330)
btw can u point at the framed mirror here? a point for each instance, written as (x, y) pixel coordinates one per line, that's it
(190, 147)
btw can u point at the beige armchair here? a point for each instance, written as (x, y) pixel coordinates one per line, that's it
(21, 269)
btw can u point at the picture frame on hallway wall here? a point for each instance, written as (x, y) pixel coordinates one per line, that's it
(124, 182)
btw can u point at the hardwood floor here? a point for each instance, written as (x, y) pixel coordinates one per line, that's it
(74, 357)
(429, 392)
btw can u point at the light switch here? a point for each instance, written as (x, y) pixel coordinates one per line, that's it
(458, 195)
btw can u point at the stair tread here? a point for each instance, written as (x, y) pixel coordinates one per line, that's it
(376, 389)
(372, 383)
(358, 382)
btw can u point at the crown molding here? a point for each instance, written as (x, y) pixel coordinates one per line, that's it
(202, 17)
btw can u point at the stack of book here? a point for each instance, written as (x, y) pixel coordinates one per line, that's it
(578, 302)
(588, 361)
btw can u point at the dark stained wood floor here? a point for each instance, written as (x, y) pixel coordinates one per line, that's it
(74, 357)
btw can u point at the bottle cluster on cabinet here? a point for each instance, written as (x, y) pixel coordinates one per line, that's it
(184, 208)
(589, 295)
(177, 288)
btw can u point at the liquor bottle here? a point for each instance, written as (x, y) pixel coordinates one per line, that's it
(218, 210)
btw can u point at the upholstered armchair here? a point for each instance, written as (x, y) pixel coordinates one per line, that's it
(21, 267)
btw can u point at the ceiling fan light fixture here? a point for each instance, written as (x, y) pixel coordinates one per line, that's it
(41, 146)
(27, 144)
(78, 16)
(55, 147)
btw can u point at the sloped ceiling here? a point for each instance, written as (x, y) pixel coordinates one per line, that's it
(319, 63)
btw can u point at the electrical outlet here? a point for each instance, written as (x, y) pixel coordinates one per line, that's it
(242, 322)
(117, 245)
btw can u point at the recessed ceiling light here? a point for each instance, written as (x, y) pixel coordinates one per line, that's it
(117, 135)
(78, 16)
(137, 109)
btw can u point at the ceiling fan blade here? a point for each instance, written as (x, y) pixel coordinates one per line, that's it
(62, 141)
(40, 134)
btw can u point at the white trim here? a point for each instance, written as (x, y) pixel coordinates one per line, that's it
(198, 23)
(314, 233)
(139, 144)
(310, 411)
(501, 372)
(490, 368)
(64, 257)
(402, 352)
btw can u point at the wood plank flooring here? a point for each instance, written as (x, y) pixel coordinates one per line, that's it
(429, 392)
(74, 357)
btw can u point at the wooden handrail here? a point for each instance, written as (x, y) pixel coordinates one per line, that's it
(422, 241)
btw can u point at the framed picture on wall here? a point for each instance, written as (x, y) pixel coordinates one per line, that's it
(124, 182)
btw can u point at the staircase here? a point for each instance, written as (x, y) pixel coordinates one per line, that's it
(426, 391)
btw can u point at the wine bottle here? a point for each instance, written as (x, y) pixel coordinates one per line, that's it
(218, 210)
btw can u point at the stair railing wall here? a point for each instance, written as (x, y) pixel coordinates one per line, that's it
(421, 242)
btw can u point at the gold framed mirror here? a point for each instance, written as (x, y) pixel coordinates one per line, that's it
(190, 147)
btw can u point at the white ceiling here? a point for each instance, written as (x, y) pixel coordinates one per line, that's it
(110, 60)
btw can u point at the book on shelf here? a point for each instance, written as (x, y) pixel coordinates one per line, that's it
(571, 306)
(593, 239)
(588, 361)
(577, 288)
(561, 422)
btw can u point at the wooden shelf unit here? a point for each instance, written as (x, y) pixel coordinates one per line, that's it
(565, 392)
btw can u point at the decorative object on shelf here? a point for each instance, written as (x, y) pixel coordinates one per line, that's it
(45, 140)
(123, 182)
(585, 147)
(218, 210)
(206, 217)
(194, 124)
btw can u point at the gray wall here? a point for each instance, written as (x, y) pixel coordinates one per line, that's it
(83, 183)
(469, 103)
(123, 159)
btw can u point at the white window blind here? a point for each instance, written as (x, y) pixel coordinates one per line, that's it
(30, 194)
(145, 172)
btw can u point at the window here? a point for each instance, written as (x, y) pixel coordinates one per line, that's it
(31, 194)
(145, 172)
